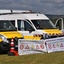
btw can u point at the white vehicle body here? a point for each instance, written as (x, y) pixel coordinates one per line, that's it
(33, 25)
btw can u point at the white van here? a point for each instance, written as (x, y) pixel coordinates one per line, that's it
(33, 26)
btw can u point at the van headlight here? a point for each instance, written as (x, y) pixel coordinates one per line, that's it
(45, 36)
(4, 39)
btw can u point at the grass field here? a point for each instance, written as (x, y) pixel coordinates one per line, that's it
(47, 58)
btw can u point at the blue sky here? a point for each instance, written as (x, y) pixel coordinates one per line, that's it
(45, 6)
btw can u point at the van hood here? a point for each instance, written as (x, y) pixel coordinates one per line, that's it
(11, 34)
(53, 31)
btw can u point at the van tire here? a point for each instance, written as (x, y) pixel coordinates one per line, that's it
(2, 48)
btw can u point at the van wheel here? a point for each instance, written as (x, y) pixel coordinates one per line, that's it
(3, 48)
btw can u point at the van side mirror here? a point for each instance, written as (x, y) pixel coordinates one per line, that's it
(57, 27)
(31, 29)
(16, 28)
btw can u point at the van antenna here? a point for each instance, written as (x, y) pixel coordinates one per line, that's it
(11, 11)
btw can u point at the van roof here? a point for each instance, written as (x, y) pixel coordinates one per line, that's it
(30, 16)
(11, 17)
(33, 16)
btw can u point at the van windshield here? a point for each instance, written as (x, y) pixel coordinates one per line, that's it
(43, 24)
(6, 25)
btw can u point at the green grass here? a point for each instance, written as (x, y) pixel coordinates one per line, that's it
(47, 58)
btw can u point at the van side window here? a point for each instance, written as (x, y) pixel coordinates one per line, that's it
(13, 22)
(27, 26)
(20, 25)
(6, 25)
(23, 25)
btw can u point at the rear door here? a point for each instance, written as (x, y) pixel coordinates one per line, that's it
(60, 24)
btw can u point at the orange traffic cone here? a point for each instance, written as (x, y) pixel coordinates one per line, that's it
(12, 52)
(12, 49)
(16, 53)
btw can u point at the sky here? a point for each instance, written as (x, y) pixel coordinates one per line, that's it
(44, 6)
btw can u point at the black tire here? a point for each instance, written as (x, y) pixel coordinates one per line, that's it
(1, 48)
(4, 48)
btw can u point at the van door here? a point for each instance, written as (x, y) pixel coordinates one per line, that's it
(60, 24)
(25, 28)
